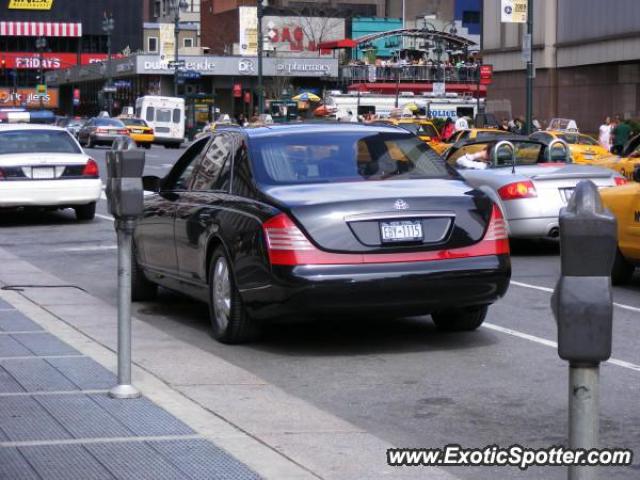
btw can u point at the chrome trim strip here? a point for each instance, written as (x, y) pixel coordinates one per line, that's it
(363, 217)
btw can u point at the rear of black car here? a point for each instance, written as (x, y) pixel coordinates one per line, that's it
(371, 219)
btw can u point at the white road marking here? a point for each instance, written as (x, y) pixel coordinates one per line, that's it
(88, 248)
(103, 196)
(550, 290)
(105, 217)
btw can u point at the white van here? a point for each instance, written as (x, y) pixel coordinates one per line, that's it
(166, 116)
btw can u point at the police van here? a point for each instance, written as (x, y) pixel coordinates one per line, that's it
(166, 116)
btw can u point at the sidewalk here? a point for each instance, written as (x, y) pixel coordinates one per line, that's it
(57, 421)
(202, 417)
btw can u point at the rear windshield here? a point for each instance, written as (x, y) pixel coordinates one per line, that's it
(343, 157)
(577, 139)
(109, 122)
(488, 135)
(134, 121)
(163, 115)
(37, 141)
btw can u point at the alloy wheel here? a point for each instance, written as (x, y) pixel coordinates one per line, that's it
(222, 293)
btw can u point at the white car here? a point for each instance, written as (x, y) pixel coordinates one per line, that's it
(44, 166)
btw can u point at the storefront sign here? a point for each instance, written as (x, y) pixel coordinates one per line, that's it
(50, 61)
(247, 66)
(301, 35)
(486, 74)
(513, 11)
(163, 66)
(30, 4)
(248, 38)
(299, 67)
(28, 97)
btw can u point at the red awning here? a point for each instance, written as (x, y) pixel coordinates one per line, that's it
(40, 29)
(336, 44)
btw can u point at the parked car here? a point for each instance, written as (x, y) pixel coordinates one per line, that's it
(73, 125)
(531, 181)
(101, 131)
(139, 131)
(469, 134)
(299, 220)
(43, 166)
(624, 202)
(584, 149)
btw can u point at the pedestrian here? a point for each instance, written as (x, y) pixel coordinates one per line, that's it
(504, 126)
(448, 129)
(604, 136)
(621, 134)
(476, 161)
(461, 124)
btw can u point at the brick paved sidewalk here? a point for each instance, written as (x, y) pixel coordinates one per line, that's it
(57, 421)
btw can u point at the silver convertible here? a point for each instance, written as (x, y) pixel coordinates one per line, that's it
(530, 181)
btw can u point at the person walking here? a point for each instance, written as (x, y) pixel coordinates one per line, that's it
(604, 136)
(448, 129)
(621, 134)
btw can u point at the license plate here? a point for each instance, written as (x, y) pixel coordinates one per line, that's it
(40, 173)
(137, 131)
(401, 231)
(566, 194)
(588, 156)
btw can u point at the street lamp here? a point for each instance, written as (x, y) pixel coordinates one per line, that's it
(41, 44)
(177, 6)
(260, 52)
(107, 27)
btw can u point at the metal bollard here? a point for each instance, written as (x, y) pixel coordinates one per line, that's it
(582, 304)
(124, 192)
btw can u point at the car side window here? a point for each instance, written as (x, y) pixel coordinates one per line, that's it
(150, 114)
(180, 175)
(242, 177)
(214, 171)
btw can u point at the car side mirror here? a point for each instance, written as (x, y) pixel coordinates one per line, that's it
(504, 153)
(151, 183)
(636, 174)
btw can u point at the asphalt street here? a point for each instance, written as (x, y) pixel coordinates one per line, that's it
(400, 380)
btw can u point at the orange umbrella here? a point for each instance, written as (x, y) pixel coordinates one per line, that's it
(321, 111)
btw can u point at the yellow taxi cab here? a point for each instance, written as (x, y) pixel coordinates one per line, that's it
(422, 127)
(469, 134)
(624, 203)
(139, 131)
(630, 159)
(584, 149)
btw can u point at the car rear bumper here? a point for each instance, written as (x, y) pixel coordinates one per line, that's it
(25, 193)
(142, 137)
(545, 227)
(410, 288)
(103, 138)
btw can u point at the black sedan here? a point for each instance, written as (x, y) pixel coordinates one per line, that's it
(305, 220)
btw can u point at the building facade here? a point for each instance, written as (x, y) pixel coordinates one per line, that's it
(586, 68)
(162, 11)
(73, 35)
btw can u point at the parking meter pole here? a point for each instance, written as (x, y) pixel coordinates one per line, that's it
(124, 389)
(584, 383)
(582, 304)
(124, 193)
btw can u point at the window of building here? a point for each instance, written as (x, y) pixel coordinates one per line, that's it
(152, 44)
(188, 42)
(470, 16)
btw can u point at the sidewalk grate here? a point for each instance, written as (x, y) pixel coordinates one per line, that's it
(84, 372)
(14, 466)
(69, 462)
(44, 344)
(22, 418)
(14, 321)
(37, 375)
(10, 347)
(201, 460)
(142, 416)
(82, 416)
(8, 383)
(135, 461)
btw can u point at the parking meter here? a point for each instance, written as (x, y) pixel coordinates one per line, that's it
(125, 166)
(582, 302)
(124, 191)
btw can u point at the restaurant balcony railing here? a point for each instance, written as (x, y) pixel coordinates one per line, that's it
(410, 73)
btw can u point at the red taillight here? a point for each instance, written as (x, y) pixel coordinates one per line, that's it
(91, 169)
(496, 234)
(620, 181)
(123, 131)
(517, 190)
(1, 174)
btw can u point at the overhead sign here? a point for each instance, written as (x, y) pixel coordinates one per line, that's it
(30, 4)
(513, 11)
(248, 23)
(301, 35)
(50, 60)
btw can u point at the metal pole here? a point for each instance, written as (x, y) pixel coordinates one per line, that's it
(583, 416)
(124, 389)
(397, 85)
(529, 120)
(109, 76)
(176, 33)
(41, 75)
(260, 48)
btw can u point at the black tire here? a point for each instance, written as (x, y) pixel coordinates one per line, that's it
(231, 324)
(142, 290)
(622, 270)
(85, 212)
(147, 146)
(460, 319)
